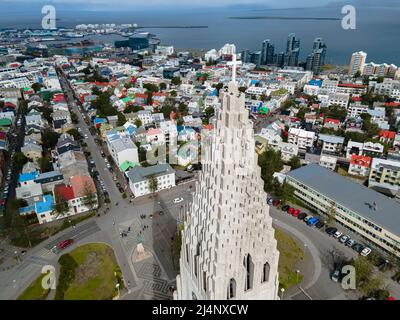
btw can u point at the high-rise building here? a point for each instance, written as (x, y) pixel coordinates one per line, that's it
(267, 52)
(357, 62)
(316, 60)
(292, 51)
(228, 246)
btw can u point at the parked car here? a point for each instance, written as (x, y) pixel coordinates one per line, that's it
(66, 243)
(365, 252)
(312, 222)
(358, 247)
(338, 234)
(302, 215)
(319, 224)
(121, 189)
(343, 239)
(177, 200)
(270, 201)
(118, 185)
(331, 231)
(291, 210)
(277, 203)
(285, 208)
(350, 242)
(296, 213)
(307, 218)
(336, 275)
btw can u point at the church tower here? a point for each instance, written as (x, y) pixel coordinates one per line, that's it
(228, 246)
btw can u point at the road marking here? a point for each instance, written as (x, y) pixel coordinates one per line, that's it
(305, 293)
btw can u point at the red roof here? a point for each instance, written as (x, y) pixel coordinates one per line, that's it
(59, 97)
(356, 99)
(141, 95)
(3, 135)
(64, 191)
(361, 160)
(80, 183)
(392, 104)
(208, 127)
(329, 120)
(387, 134)
(352, 85)
(10, 104)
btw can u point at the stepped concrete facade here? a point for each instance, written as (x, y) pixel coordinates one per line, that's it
(228, 246)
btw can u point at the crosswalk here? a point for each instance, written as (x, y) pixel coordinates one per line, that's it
(45, 253)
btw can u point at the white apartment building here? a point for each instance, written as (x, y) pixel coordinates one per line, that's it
(288, 150)
(301, 138)
(340, 99)
(328, 162)
(331, 144)
(140, 177)
(357, 62)
(121, 148)
(356, 109)
(385, 174)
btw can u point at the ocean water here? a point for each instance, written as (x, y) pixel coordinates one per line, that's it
(377, 32)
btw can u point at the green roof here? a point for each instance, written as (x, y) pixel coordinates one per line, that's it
(127, 99)
(5, 122)
(128, 164)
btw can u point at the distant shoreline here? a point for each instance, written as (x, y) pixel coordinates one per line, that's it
(284, 18)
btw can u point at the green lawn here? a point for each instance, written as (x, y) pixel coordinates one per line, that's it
(290, 254)
(94, 275)
(35, 291)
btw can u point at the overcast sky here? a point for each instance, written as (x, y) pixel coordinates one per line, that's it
(25, 5)
(95, 3)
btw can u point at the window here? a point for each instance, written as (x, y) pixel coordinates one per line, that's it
(231, 289)
(266, 271)
(248, 264)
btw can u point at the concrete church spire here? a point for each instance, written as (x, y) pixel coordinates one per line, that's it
(228, 246)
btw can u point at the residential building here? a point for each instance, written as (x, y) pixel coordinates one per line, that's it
(139, 178)
(301, 138)
(357, 62)
(360, 165)
(121, 148)
(385, 175)
(328, 161)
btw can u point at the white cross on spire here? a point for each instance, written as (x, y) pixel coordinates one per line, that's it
(234, 64)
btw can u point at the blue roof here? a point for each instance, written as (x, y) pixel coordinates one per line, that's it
(254, 81)
(23, 177)
(315, 82)
(28, 209)
(45, 205)
(99, 120)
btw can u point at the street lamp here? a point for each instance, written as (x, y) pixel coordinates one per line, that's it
(282, 291)
(117, 286)
(297, 275)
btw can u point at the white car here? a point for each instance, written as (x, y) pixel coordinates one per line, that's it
(177, 200)
(366, 251)
(338, 234)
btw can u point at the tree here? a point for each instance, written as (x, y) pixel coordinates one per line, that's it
(357, 74)
(153, 184)
(61, 206)
(283, 191)
(46, 165)
(49, 138)
(121, 119)
(47, 114)
(331, 213)
(36, 87)
(173, 93)
(176, 81)
(163, 86)
(150, 87)
(183, 108)
(74, 118)
(19, 160)
(295, 163)
(75, 134)
(90, 197)
(138, 123)
(270, 162)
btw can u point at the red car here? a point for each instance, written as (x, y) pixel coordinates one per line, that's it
(291, 210)
(64, 244)
(296, 213)
(277, 203)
